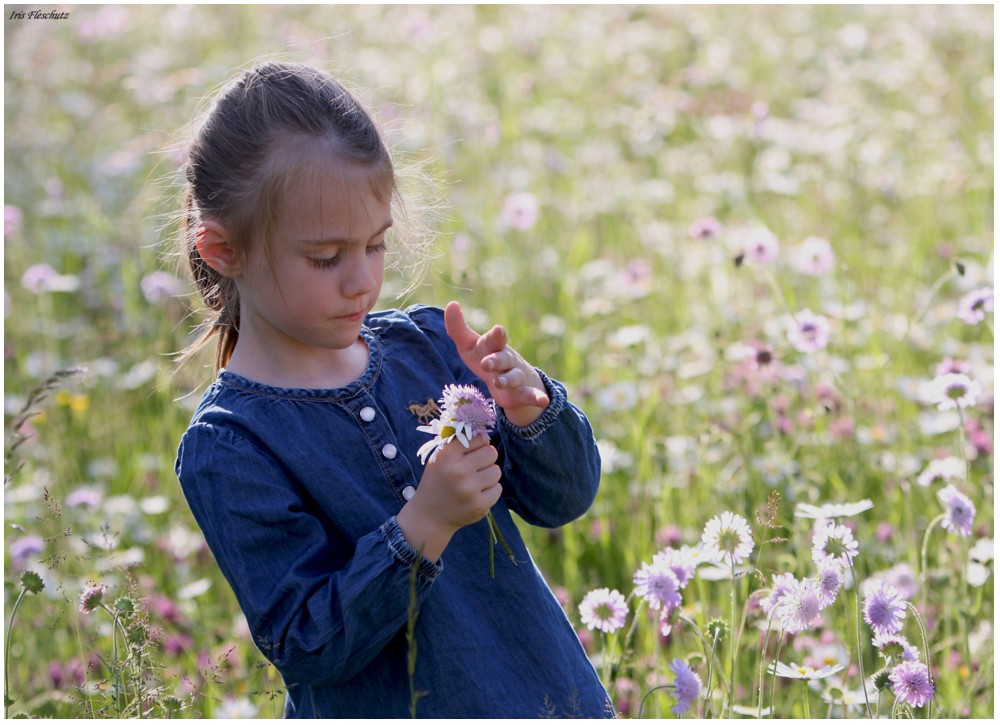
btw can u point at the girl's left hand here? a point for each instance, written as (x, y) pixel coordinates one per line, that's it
(514, 384)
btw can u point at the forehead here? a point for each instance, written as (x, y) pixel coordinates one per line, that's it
(325, 197)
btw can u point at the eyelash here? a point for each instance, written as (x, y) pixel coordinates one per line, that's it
(335, 260)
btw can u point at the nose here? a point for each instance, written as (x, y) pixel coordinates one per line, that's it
(359, 278)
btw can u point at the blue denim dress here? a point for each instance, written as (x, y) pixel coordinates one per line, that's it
(297, 490)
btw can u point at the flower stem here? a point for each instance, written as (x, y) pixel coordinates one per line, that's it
(805, 699)
(649, 692)
(774, 670)
(857, 629)
(763, 655)
(7, 701)
(923, 561)
(927, 651)
(732, 633)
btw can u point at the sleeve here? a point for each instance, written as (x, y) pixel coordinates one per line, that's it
(320, 608)
(552, 468)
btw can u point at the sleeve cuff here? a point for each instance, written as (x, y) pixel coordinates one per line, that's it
(401, 550)
(557, 402)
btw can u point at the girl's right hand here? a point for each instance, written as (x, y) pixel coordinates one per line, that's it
(458, 488)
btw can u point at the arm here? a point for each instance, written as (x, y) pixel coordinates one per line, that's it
(320, 607)
(552, 467)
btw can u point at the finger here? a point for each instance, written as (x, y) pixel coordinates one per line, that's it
(526, 395)
(485, 458)
(477, 442)
(494, 341)
(499, 362)
(462, 335)
(511, 378)
(492, 494)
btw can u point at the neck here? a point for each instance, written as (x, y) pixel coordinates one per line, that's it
(320, 369)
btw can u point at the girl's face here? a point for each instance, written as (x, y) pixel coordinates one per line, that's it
(321, 272)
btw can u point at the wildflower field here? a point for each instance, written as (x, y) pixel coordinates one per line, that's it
(756, 243)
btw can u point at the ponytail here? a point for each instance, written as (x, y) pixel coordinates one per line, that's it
(218, 293)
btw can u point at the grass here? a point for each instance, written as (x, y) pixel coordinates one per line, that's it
(870, 127)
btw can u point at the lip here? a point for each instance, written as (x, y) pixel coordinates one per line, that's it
(353, 317)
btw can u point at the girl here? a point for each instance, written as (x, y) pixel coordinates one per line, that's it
(300, 462)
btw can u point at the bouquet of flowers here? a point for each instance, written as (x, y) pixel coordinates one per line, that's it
(465, 414)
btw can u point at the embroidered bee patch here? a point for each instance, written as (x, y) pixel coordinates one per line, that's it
(425, 412)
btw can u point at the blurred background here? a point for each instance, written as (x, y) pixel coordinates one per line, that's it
(630, 190)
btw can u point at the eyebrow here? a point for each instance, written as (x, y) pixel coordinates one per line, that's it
(334, 241)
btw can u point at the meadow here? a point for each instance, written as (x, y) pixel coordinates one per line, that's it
(756, 243)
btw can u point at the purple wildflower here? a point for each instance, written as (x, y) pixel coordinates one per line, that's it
(520, 210)
(972, 308)
(808, 332)
(959, 510)
(953, 390)
(831, 579)
(761, 246)
(91, 597)
(815, 257)
(680, 561)
(604, 609)
(943, 470)
(38, 277)
(159, 286)
(687, 686)
(834, 542)
(12, 217)
(952, 365)
(783, 584)
(705, 228)
(884, 609)
(895, 647)
(466, 405)
(912, 684)
(89, 497)
(465, 414)
(24, 548)
(657, 584)
(800, 607)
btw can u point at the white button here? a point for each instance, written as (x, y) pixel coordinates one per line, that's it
(367, 414)
(408, 492)
(389, 450)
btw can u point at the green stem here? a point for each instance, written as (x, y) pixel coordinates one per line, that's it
(763, 654)
(732, 632)
(774, 670)
(963, 448)
(713, 660)
(805, 699)
(857, 629)
(927, 651)
(646, 695)
(616, 668)
(7, 701)
(923, 560)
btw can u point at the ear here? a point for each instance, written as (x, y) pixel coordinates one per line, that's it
(215, 247)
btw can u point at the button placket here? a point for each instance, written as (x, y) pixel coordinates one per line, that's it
(375, 426)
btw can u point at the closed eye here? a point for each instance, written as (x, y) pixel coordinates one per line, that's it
(325, 262)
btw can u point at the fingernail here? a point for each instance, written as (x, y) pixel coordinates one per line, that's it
(502, 379)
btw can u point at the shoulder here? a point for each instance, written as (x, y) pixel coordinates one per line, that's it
(416, 318)
(415, 325)
(417, 334)
(219, 426)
